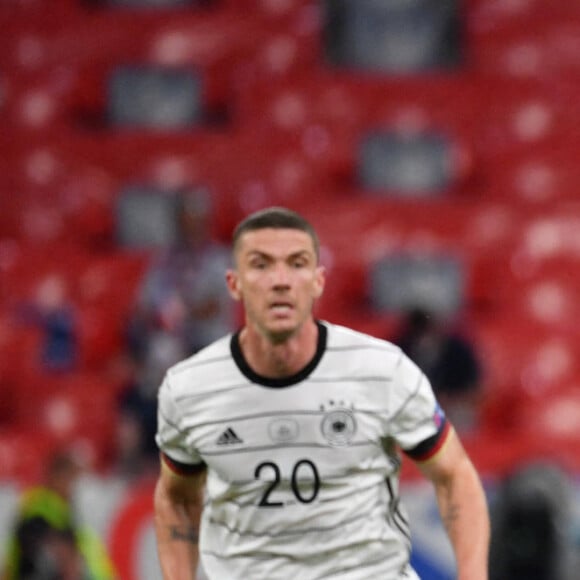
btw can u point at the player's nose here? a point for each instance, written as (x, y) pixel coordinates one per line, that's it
(281, 276)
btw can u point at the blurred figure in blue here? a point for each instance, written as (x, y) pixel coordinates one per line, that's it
(183, 299)
(55, 315)
(182, 305)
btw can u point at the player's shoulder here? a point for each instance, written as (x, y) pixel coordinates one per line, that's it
(344, 338)
(202, 364)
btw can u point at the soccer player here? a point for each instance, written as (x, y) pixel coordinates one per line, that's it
(279, 443)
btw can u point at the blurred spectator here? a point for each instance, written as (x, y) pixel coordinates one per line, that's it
(48, 543)
(448, 360)
(53, 312)
(532, 525)
(182, 305)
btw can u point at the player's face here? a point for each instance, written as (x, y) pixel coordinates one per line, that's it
(277, 279)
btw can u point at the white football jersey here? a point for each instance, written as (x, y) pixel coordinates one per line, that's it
(302, 471)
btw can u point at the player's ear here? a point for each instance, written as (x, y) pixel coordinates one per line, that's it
(319, 281)
(233, 284)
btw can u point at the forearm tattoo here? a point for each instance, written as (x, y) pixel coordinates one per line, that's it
(182, 534)
(451, 515)
(452, 511)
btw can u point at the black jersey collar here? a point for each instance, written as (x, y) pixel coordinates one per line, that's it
(250, 374)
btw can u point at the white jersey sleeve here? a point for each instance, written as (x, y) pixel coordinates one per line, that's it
(171, 437)
(418, 423)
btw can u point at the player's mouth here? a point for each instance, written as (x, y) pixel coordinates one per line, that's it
(281, 307)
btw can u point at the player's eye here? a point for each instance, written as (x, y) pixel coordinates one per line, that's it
(300, 262)
(259, 264)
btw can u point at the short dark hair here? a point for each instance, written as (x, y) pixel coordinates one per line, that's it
(276, 218)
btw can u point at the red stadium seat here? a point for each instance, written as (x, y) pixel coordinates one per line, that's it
(537, 48)
(108, 288)
(24, 454)
(542, 175)
(33, 267)
(494, 15)
(345, 103)
(555, 420)
(76, 409)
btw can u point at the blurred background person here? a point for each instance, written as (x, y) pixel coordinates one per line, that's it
(53, 311)
(449, 360)
(182, 305)
(48, 542)
(532, 525)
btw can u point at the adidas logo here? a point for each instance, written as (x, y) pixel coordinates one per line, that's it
(228, 437)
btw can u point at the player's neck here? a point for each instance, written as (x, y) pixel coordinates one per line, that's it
(277, 360)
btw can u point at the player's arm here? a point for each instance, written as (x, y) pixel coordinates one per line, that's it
(462, 506)
(178, 501)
